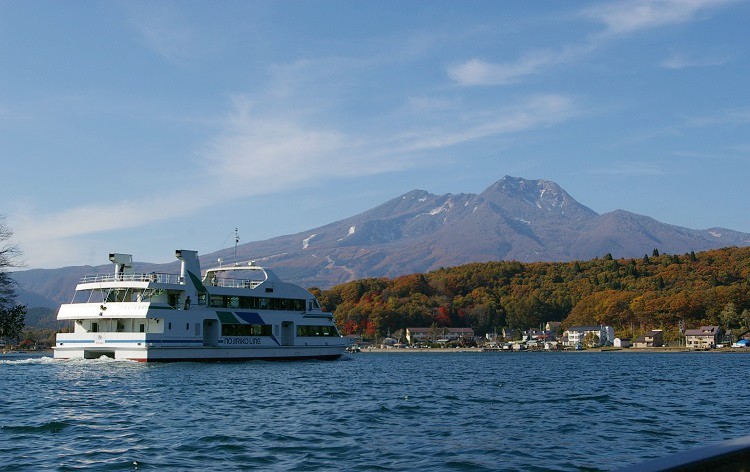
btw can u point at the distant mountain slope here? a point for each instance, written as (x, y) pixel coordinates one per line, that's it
(513, 219)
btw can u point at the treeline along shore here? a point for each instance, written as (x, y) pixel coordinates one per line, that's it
(671, 292)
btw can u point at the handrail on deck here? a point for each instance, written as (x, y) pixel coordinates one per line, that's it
(155, 277)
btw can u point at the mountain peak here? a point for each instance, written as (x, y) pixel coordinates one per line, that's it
(516, 193)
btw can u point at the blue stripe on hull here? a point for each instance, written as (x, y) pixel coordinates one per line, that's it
(327, 357)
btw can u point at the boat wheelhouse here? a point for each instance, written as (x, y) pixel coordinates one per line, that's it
(235, 312)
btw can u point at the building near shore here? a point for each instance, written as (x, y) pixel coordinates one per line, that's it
(704, 337)
(654, 338)
(621, 342)
(418, 335)
(600, 335)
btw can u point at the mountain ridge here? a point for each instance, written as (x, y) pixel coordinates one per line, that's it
(513, 219)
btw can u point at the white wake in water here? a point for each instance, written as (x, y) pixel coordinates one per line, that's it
(45, 360)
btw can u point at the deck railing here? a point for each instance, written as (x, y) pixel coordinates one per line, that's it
(155, 277)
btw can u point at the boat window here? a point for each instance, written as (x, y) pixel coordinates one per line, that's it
(142, 328)
(94, 327)
(247, 302)
(245, 330)
(313, 330)
(256, 303)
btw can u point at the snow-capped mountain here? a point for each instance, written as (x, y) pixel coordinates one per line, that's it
(513, 219)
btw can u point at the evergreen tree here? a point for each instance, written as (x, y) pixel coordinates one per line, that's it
(660, 283)
(728, 316)
(655, 253)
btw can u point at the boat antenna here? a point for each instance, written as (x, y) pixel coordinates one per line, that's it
(236, 241)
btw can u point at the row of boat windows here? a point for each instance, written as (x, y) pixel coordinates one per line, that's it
(96, 328)
(317, 331)
(245, 330)
(239, 329)
(258, 303)
(216, 301)
(265, 330)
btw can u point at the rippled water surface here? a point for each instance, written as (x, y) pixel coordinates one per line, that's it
(447, 411)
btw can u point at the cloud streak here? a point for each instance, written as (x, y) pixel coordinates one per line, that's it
(619, 19)
(625, 17)
(478, 72)
(736, 117)
(678, 61)
(534, 112)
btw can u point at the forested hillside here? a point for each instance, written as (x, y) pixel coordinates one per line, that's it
(632, 295)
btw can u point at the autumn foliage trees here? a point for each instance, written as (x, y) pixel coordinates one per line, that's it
(632, 295)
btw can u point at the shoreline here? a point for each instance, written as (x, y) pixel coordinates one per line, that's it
(371, 350)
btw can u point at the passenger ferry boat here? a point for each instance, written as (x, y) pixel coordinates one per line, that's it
(235, 312)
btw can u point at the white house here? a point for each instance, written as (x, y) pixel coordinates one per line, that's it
(621, 342)
(574, 335)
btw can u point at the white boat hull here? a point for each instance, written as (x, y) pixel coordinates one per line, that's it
(204, 353)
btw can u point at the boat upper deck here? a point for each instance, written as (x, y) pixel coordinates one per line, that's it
(156, 277)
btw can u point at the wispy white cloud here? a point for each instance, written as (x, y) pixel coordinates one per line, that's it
(626, 17)
(679, 61)
(733, 117)
(41, 230)
(619, 18)
(538, 111)
(479, 72)
(260, 152)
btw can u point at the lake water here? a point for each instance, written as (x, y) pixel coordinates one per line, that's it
(380, 412)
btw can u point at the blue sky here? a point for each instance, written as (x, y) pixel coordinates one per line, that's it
(147, 126)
